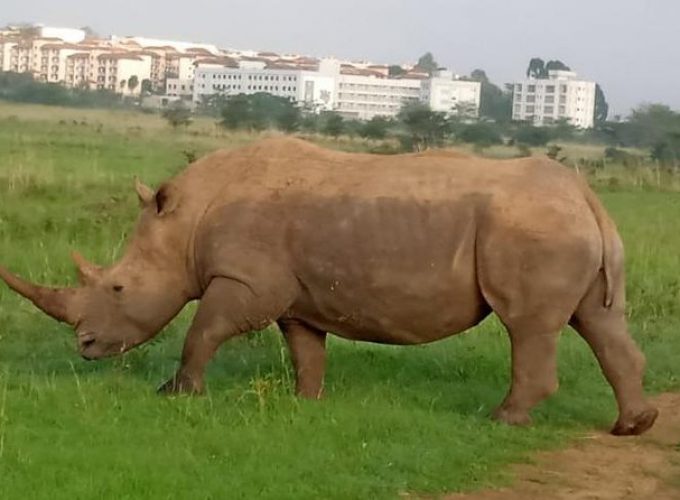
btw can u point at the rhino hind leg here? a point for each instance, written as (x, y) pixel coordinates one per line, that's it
(307, 346)
(534, 368)
(606, 332)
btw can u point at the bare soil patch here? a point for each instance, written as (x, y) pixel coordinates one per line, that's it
(601, 466)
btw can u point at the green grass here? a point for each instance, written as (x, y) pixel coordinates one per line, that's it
(395, 419)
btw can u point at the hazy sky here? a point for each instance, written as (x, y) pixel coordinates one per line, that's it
(631, 47)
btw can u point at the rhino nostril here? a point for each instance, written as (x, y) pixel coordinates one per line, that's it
(87, 343)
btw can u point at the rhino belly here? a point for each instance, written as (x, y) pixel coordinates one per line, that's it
(387, 271)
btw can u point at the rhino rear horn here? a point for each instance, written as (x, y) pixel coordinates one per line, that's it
(56, 302)
(87, 272)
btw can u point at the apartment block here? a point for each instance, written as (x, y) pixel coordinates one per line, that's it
(66, 56)
(445, 93)
(562, 96)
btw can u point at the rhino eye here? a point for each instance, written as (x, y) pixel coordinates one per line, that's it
(118, 288)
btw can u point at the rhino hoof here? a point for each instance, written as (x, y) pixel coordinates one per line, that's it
(636, 425)
(180, 385)
(511, 417)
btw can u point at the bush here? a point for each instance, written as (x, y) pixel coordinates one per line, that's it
(177, 115)
(532, 136)
(21, 87)
(481, 134)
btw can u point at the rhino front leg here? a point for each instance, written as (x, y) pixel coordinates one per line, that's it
(228, 308)
(307, 347)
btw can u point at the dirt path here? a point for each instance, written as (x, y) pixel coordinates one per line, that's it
(601, 466)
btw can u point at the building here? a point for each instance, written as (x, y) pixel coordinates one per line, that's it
(364, 93)
(562, 96)
(123, 65)
(193, 72)
(356, 91)
(228, 77)
(68, 35)
(445, 93)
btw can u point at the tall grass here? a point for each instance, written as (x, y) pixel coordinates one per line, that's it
(394, 419)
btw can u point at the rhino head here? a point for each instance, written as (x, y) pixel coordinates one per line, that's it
(117, 308)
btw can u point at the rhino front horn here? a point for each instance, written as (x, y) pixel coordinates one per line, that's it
(56, 302)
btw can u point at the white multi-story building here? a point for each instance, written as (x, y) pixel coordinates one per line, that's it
(313, 88)
(365, 93)
(359, 92)
(445, 93)
(561, 96)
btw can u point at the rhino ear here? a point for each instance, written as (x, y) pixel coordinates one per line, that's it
(167, 199)
(144, 192)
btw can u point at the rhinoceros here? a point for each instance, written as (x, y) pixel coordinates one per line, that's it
(404, 249)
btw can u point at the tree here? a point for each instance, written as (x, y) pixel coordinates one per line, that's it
(177, 115)
(147, 86)
(495, 104)
(424, 128)
(427, 64)
(536, 68)
(556, 65)
(89, 33)
(237, 114)
(375, 128)
(333, 124)
(396, 70)
(563, 130)
(479, 75)
(540, 70)
(28, 32)
(601, 106)
(287, 117)
(260, 111)
(532, 136)
(21, 87)
(133, 83)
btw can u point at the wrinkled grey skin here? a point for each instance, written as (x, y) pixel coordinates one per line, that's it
(402, 250)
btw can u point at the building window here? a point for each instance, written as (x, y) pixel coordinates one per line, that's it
(530, 109)
(549, 110)
(550, 89)
(531, 98)
(563, 110)
(563, 89)
(549, 99)
(531, 89)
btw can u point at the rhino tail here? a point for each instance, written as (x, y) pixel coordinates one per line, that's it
(612, 247)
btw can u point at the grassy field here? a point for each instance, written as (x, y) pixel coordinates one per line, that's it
(394, 419)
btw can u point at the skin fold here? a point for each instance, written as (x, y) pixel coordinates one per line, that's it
(404, 249)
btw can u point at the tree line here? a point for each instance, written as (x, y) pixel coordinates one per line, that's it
(653, 127)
